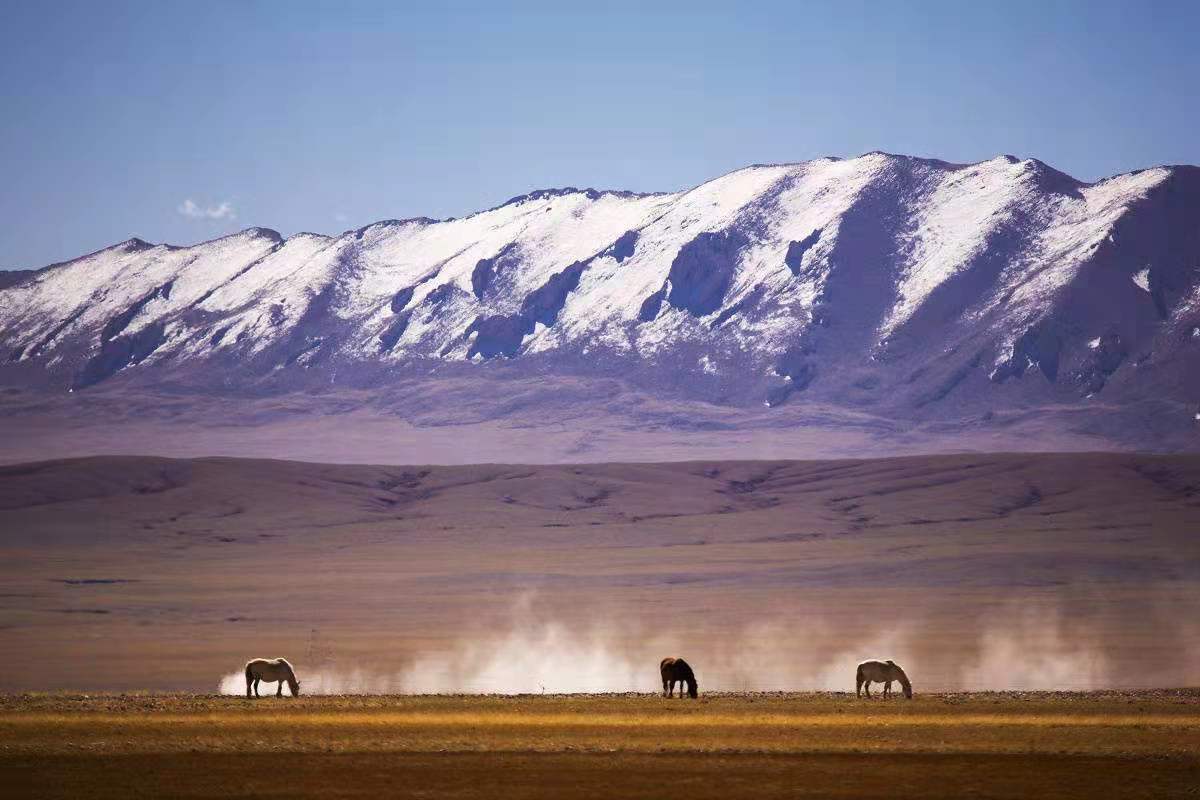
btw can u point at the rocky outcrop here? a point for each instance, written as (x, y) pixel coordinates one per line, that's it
(118, 353)
(1037, 347)
(796, 251)
(702, 271)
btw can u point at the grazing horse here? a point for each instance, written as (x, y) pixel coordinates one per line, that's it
(271, 670)
(676, 670)
(881, 672)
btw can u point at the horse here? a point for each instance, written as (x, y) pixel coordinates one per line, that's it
(676, 670)
(271, 670)
(881, 672)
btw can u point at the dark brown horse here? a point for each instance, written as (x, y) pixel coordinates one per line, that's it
(676, 670)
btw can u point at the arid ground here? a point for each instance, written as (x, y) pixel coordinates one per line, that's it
(1010, 745)
(974, 571)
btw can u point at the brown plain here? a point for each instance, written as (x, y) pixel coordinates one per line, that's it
(131, 573)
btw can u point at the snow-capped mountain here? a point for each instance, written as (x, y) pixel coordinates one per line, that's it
(903, 287)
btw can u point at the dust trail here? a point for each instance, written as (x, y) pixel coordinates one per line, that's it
(1035, 649)
(532, 654)
(786, 656)
(1016, 646)
(535, 655)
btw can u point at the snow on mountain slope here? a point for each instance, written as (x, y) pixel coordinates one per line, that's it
(1072, 230)
(897, 285)
(953, 226)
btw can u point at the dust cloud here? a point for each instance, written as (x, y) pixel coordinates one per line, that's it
(1018, 647)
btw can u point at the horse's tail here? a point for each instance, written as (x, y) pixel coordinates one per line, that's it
(249, 678)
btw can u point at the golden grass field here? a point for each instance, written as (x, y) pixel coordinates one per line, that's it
(1063, 745)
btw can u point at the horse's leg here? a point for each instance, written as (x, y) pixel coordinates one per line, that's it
(887, 689)
(248, 682)
(867, 688)
(256, 682)
(279, 692)
(664, 687)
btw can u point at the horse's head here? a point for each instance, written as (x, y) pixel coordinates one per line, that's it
(295, 687)
(902, 676)
(693, 688)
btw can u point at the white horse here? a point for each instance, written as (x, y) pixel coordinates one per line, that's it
(271, 670)
(881, 672)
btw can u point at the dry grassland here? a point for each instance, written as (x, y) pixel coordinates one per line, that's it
(1117, 744)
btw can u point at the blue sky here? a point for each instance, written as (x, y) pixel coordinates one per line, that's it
(180, 121)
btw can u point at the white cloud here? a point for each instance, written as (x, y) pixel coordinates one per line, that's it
(223, 210)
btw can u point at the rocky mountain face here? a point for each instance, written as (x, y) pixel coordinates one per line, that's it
(897, 287)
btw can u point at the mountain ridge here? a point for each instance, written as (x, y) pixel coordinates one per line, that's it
(568, 189)
(904, 287)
